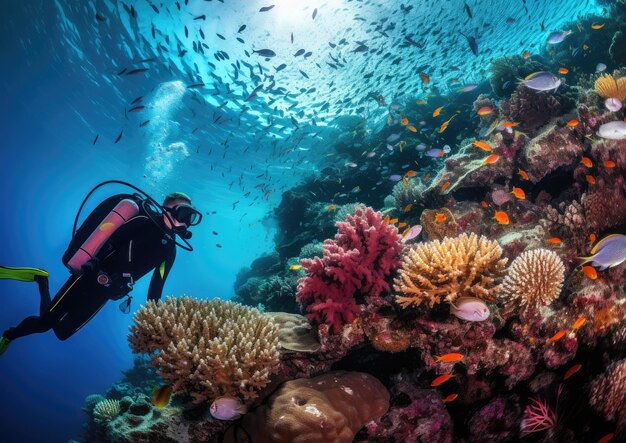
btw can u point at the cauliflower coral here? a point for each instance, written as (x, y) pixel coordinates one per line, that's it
(436, 271)
(207, 349)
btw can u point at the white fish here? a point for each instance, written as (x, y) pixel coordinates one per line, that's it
(558, 37)
(227, 408)
(351, 164)
(613, 130)
(412, 233)
(608, 252)
(470, 309)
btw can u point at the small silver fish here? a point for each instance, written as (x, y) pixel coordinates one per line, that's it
(557, 37)
(470, 309)
(542, 81)
(608, 252)
(227, 408)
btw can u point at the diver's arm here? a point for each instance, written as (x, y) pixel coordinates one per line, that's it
(159, 275)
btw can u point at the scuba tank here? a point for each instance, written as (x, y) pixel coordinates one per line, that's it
(121, 213)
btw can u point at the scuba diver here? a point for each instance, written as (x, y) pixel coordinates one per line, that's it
(125, 237)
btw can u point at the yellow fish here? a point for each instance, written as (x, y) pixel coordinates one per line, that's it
(162, 396)
(295, 267)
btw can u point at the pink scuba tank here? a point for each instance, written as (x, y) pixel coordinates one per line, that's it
(122, 212)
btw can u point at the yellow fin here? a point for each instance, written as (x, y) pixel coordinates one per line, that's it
(601, 242)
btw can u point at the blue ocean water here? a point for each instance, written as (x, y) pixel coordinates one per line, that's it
(66, 79)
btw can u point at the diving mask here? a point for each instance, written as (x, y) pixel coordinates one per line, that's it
(185, 214)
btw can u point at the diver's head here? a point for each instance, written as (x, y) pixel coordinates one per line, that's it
(178, 213)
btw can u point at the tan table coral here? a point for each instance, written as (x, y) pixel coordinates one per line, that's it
(464, 266)
(329, 408)
(207, 349)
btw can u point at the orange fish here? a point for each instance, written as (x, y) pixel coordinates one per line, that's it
(441, 379)
(522, 174)
(440, 217)
(445, 186)
(609, 164)
(491, 159)
(485, 110)
(519, 193)
(412, 128)
(393, 221)
(484, 204)
(482, 145)
(592, 237)
(571, 371)
(404, 121)
(590, 272)
(559, 335)
(450, 398)
(437, 111)
(425, 78)
(331, 207)
(401, 225)
(587, 162)
(420, 102)
(554, 240)
(597, 25)
(590, 179)
(449, 358)
(509, 124)
(502, 217)
(410, 173)
(573, 123)
(386, 219)
(563, 71)
(580, 321)
(408, 207)
(526, 54)
(607, 438)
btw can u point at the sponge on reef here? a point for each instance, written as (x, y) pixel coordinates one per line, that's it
(207, 349)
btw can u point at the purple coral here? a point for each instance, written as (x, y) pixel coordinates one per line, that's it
(535, 109)
(352, 270)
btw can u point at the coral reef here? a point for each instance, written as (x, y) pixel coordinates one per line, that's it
(506, 72)
(207, 349)
(535, 109)
(608, 395)
(610, 87)
(533, 280)
(435, 229)
(444, 270)
(106, 410)
(353, 268)
(330, 407)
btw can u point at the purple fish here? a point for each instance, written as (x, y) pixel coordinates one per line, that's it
(227, 408)
(395, 178)
(557, 37)
(542, 81)
(608, 252)
(412, 233)
(470, 309)
(434, 153)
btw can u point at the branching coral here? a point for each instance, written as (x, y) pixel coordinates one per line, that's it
(436, 229)
(534, 279)
(610, 87)
(352, 270)
(207, 348)
(439, 271)
(608, 395)
(106, 410)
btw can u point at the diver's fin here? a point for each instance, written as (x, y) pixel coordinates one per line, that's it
(21, 274)
(4, 344)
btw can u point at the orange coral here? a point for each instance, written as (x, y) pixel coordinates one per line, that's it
(609, 87)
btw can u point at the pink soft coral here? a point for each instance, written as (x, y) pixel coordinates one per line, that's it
(352, 270)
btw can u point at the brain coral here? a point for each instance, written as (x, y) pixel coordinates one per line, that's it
(608, 395)
(106, 410)
(439, 271)
(207, 348)
(534, 279)
(329, 408)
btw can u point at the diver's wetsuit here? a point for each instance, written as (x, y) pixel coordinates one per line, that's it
(134, 249)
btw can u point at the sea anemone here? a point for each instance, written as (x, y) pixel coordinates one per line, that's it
(534, 279)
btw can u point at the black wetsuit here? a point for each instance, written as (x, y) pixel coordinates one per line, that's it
(133, 250)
